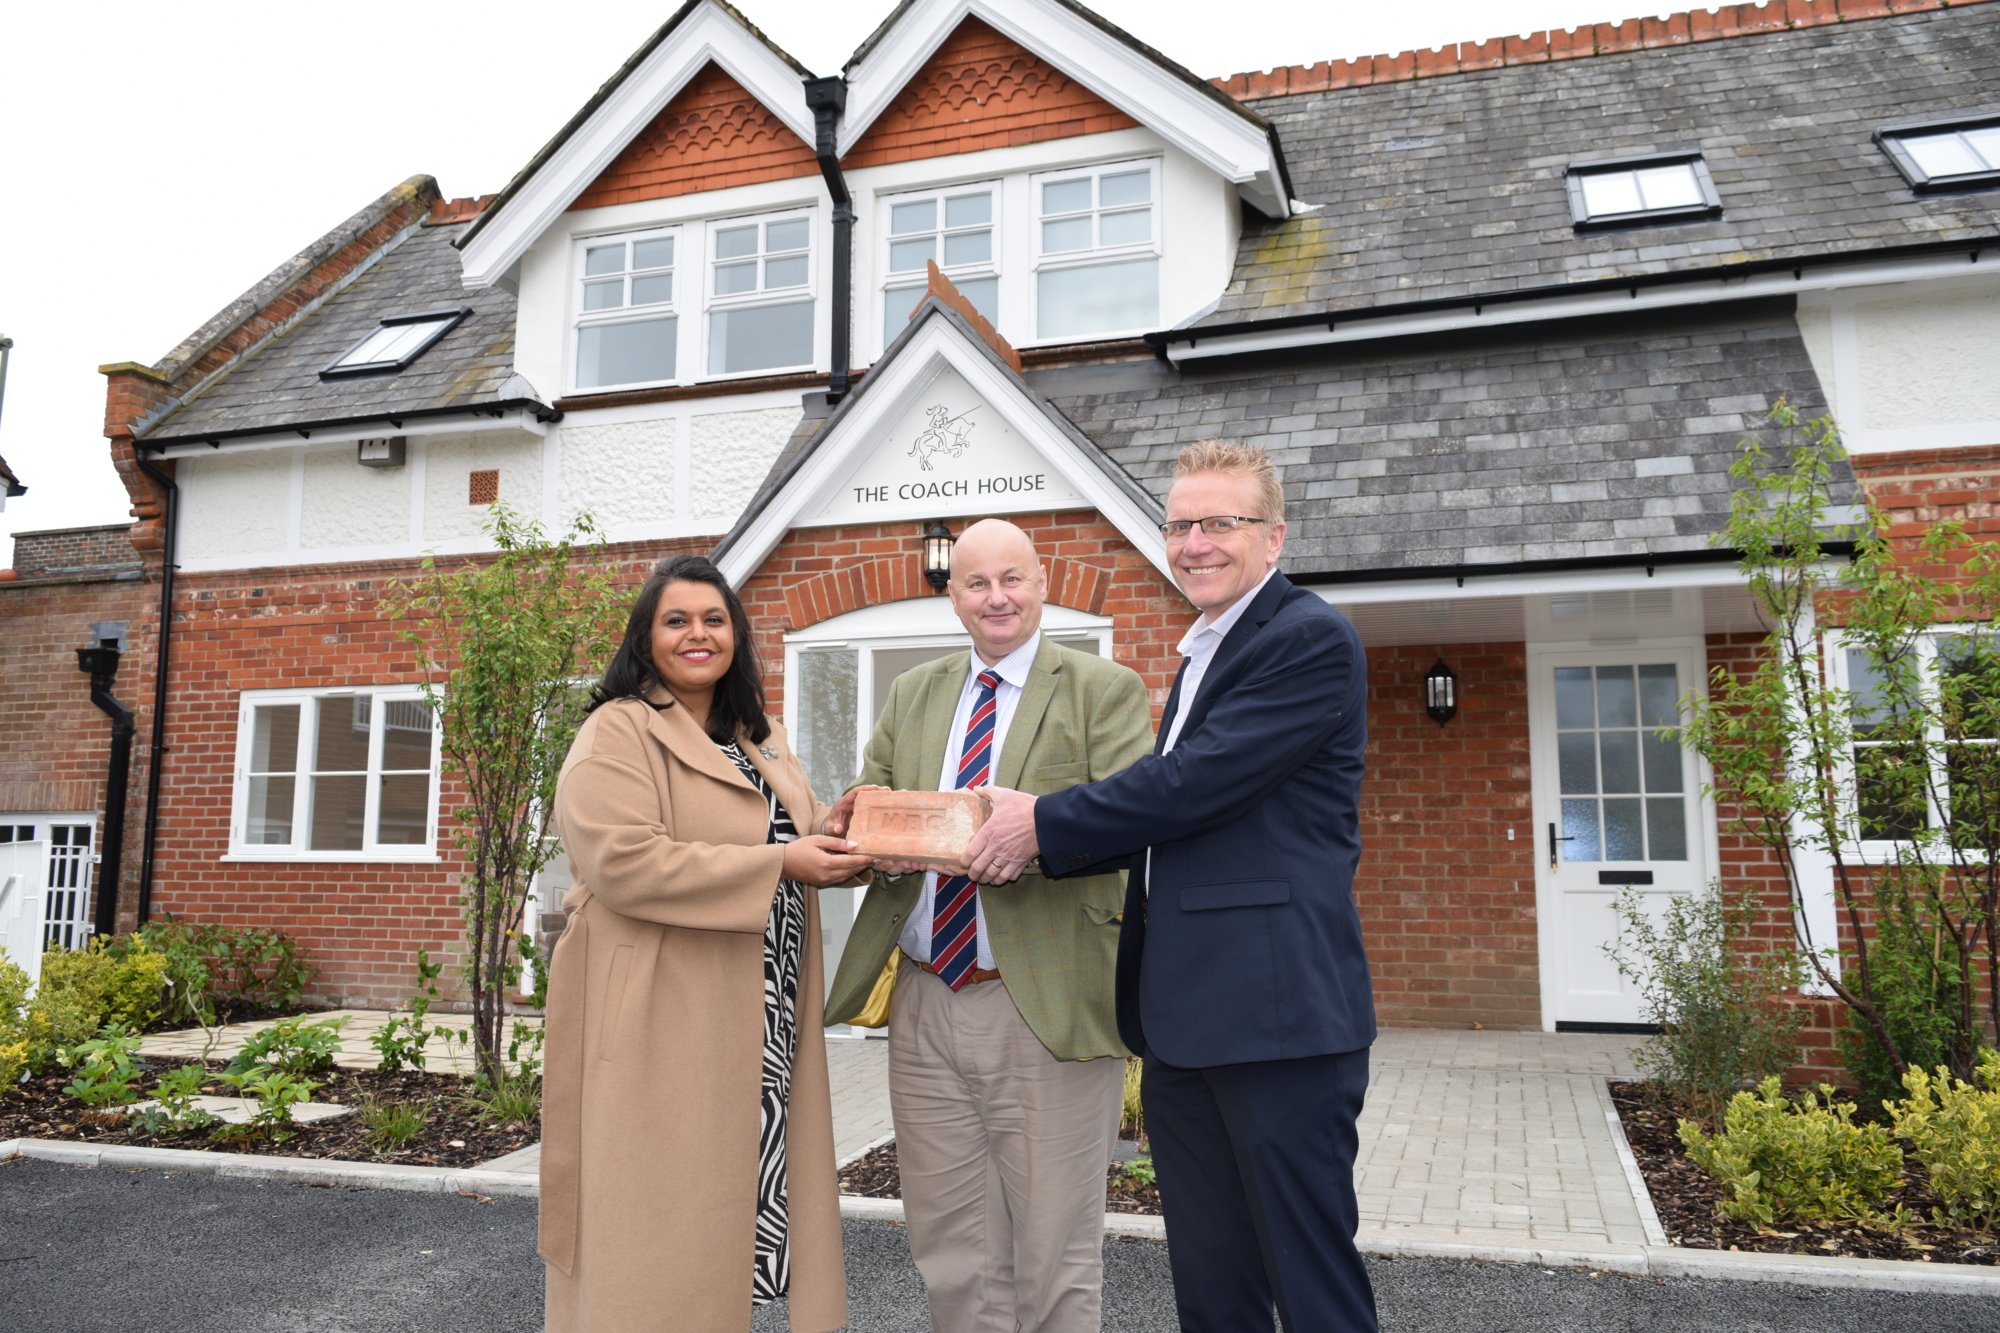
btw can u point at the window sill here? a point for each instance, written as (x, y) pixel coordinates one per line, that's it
(415, 856)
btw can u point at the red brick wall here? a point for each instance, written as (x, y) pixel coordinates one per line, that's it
(1447, 901)
(75, 551)
(713, 135)
(981, 90)
(54, 743)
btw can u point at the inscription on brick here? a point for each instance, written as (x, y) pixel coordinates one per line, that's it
(928, 827)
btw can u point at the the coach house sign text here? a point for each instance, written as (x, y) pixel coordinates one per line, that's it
(949, 455)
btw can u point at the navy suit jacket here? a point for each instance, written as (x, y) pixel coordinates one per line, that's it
(1245, 945)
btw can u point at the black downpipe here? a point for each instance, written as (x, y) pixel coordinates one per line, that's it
(164, 642)
(827, 98)
(101, 664)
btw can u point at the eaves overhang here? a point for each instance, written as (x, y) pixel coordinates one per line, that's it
(429, 420)
(1630, 293)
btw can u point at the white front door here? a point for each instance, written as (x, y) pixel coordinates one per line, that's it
(23, 895)
(1617, 808)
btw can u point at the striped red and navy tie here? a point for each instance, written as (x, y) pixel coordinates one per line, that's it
(955, 909)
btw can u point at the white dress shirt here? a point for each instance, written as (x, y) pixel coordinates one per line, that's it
(1198, 646)
(1013, 669)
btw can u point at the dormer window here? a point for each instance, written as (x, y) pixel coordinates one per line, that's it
(1628, 191)
(953, 228)
(628, 325)
(1945, 155)
(760, 315)
(1097, 251)
(397, 341)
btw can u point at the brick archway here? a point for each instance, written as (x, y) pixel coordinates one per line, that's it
(900, 578)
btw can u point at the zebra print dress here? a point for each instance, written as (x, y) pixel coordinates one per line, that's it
(784, 948)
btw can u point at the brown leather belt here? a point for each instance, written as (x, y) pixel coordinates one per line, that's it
(972, 978)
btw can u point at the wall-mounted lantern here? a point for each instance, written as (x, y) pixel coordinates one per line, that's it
(1441, 693)
(937, 543)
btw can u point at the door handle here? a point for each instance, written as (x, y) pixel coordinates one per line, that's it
(1555, 845)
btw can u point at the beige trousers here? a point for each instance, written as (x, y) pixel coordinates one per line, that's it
(1002, 1150)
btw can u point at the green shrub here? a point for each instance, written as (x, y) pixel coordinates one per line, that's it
(293, 1045)
(14, 1044)
(106, 1070)
(515, 1098)
(13, 1062)
(1804, 1161)
(272, 1093)
(1917, 979)
(400, 1041)
(1954, 1129)
(1724, 1023)
(118, 986)
(58, 1020)
(224, 974)
(173, 1110)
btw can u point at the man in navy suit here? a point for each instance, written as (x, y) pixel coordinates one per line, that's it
(1241, 973)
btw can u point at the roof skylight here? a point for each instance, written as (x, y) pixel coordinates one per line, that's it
(1623, 191)
(1945, 154)
(399, 340)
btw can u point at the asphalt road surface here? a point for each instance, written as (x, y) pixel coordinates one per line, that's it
(116, 1251)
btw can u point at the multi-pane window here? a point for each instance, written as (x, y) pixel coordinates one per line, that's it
(953, 229)
(1946, 155)
(345, 772)
(1926, 739)
(627, 326)
(1649, 189)
(760, 312)
(395, 342)
(1097, 251)
(1623, 788)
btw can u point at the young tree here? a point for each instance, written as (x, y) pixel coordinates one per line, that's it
(1896, 744)
(502, 640)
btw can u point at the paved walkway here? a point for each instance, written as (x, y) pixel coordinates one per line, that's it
(444, 1053)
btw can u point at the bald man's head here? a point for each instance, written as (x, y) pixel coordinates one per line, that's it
(997, 587)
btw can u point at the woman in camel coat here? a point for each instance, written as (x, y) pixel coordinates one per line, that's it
(687, 978)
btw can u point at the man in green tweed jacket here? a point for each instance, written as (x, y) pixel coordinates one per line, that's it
(1005, 1068)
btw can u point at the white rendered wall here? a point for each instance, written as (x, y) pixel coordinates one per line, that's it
(1913, 366)
(345, 504)
(448, 468)
(235, 505)
(729, 455)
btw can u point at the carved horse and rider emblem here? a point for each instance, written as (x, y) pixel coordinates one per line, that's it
(946, 434)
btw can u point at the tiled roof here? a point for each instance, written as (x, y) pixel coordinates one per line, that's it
(1592, 441)
(277, 385)
(1453, 187)
(9, 483)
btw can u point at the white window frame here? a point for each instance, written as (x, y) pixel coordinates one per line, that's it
(1883, 851)
(714, 302)
(629, 314)
(1154, 247)
(310, 702)
(992, 268)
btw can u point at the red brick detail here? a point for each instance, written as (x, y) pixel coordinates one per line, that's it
(982, 90)
(1447, 901)
(714, 134)
(447, 211)
(942, 288)
(1739, 20)
(482, 487)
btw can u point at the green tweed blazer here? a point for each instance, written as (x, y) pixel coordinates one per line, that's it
(1081, 717)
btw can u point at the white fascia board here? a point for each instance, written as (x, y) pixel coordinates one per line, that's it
(1185, 117)
(1812, 275)
(893, 389)
(1476, 587)
(516, 421)
(707, 34)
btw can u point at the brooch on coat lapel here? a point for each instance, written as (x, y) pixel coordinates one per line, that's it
(767, 752)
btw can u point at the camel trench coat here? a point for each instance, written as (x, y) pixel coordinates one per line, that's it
(656, 1039)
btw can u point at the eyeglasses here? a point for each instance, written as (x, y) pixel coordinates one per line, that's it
(1215, 525)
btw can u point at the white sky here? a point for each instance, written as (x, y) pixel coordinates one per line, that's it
(157, 160)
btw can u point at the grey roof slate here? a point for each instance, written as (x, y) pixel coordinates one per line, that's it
(1444, 188)
(277, 385)
(1600, 441)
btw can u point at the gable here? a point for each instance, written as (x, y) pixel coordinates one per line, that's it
(981, 89)
(712, 135)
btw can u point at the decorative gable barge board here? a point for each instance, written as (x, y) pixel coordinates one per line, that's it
(714, 134)
(981, 89)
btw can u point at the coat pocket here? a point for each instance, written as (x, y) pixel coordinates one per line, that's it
(615, 985)
(1235, 893)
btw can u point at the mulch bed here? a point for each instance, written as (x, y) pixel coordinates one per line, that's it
(873, 1176)
(1685, 1197)
(451, 1135)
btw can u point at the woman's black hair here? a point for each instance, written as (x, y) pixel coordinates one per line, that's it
(739, 696)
